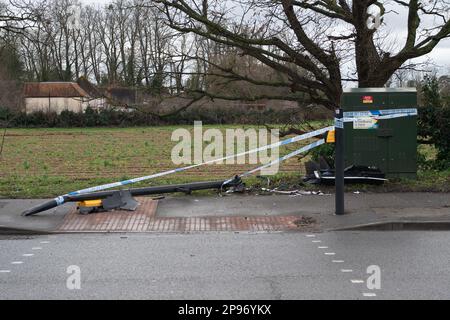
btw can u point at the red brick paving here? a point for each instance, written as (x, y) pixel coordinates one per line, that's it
(144, 219)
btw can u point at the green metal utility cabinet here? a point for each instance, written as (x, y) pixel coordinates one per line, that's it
(391, 144)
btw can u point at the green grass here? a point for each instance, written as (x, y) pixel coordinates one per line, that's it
(54, 161)
(49, 162)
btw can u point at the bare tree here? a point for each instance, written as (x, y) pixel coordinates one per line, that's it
(295, 50)
(315, 36)
(16, 16)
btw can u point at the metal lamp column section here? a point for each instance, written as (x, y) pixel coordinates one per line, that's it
(339, 162)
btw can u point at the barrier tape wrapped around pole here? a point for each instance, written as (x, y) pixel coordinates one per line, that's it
(389, 113)
(351, 116)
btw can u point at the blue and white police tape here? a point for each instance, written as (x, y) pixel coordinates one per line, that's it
(378, 113)
(353, 116)
(160, 174)
(289, 155)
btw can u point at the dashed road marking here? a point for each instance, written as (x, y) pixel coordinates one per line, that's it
(346, 270)
(45, 242)
(36, 248)
(5, 271)
(357, 281)
(17, 262)
(369, 294)
(354, 281)
(28, 254)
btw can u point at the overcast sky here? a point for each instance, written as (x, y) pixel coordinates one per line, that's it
(395, 24)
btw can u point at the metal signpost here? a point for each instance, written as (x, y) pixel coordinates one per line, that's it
(339, 162)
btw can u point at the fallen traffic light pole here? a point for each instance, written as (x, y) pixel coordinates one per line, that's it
(115, 199)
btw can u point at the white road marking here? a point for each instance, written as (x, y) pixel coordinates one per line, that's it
(357, 281)
(36, 248)
(354, 281)
(28, 254)
(5, 271)
(45, 242)
(369, 294)
(17, 262)
(310, 235)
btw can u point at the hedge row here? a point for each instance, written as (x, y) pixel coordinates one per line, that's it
(108, 117)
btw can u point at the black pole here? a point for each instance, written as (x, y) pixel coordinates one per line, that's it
(186, 187)
(339, 162)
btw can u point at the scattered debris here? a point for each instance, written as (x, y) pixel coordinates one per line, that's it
(322, 173)
(295, 193)
(304, 221)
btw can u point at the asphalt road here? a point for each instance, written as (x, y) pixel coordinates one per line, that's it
(296, 265)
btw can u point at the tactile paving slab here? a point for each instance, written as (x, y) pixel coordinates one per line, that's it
(144, 219)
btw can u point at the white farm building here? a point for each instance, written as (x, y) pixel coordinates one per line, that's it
(58, 96)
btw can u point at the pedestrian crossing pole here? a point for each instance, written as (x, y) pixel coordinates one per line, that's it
(339, 162)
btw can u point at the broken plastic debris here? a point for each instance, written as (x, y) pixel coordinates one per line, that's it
(294, 193)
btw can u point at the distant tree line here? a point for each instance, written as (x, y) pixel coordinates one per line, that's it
(124, 43)
(121, 43)
(235, 49)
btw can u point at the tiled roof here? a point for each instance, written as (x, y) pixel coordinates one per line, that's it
(89, 88)
(53, 89)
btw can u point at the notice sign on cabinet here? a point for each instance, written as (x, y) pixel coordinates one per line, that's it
(365, 123)
(367, 99)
